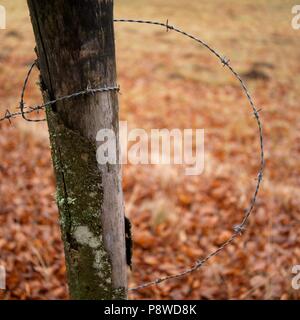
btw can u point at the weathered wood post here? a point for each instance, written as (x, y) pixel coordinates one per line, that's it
(75, 47)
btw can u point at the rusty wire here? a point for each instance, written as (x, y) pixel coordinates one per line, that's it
(237, 229)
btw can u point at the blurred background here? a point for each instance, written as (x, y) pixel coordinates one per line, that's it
(167, 81)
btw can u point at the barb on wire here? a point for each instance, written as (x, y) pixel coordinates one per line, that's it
(238, 229)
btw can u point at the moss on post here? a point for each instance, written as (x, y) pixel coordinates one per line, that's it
(79, 193)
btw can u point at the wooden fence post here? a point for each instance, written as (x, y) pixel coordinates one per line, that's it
(75, 48)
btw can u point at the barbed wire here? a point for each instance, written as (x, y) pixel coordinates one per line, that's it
(237, 229)
(89, 90)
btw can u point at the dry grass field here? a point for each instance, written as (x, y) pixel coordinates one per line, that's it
(167, 81)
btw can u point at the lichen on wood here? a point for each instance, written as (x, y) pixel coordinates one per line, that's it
(78, 196)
